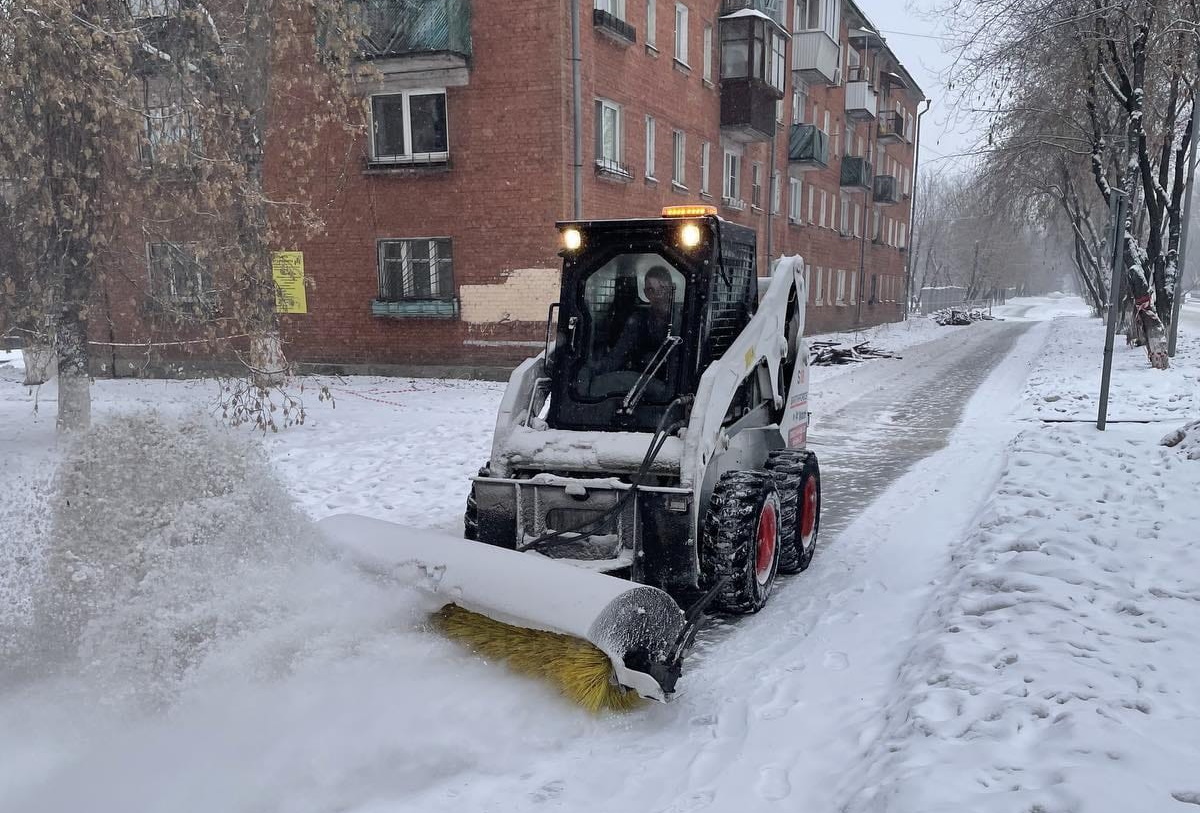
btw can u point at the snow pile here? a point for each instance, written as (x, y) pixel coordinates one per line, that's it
(1056, 668)
(1186, 439)
(1065, 383)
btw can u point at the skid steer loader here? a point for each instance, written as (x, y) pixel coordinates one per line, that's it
(650, 464)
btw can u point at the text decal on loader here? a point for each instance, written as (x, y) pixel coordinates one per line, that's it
(795, 420)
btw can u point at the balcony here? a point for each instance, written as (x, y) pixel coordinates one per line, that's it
(815, 57)
(856, 172)
(748, 110)
(861, 102)
(808, 148)
(774, 9)
(418, 42)
(887, 190)
(612, 25)
(891, 128)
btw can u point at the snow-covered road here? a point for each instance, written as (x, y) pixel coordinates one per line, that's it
(330, 696)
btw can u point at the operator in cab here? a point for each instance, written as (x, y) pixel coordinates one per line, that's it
(645, 330)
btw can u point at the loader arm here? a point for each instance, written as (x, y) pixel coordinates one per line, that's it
(761, 349)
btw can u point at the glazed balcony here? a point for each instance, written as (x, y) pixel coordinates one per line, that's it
(748, 109)
(808, 148)
(815, 57)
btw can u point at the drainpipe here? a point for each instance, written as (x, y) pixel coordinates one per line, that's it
(576, 117)
(912, 211)
(771, 205)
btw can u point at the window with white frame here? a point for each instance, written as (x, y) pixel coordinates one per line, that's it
(705, 150)
(818, 15)
(811, 191)
(614, 7)
(857, 221)
(903, 235)
(681, 33)
(824, 221)
(841, 287)
(649, 146)
(794, 200)
(679, 153)
(608, 136)
(775, 183)
(708, 53)
(819, 288)
(177, 276)
(416, 269)
(799, 101)
(778, 73)
(732, 181)
(651, 23)
(756, 185)
(409, 127)
(844, 216)
(853, 288)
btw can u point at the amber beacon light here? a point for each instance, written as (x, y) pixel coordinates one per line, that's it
(688, 211)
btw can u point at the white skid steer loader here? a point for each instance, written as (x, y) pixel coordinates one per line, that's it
(650, 464)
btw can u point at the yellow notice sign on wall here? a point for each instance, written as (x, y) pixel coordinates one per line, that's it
(288, 269)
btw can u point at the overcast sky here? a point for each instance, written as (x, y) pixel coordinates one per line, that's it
(919, 42)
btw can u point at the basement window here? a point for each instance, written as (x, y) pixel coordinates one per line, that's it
(416, 278)
(409, 127)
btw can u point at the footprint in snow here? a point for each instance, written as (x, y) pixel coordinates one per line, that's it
(836, 661)
(773, 784)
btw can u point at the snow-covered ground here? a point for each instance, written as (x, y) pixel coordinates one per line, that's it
(1002, 627)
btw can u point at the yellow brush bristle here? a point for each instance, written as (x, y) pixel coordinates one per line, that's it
(581, 671)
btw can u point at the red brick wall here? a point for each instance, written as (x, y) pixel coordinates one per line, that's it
(510, 178)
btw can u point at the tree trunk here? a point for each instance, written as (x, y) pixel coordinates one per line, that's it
(74, 384)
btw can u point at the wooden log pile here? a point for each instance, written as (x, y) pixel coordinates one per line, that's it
(826, 354)
(960, 316)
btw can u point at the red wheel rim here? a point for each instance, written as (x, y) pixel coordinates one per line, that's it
(808, 517)
(768, 533)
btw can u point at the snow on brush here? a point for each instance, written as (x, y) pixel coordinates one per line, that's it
(1056, 668)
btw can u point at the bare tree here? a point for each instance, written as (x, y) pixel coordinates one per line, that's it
(1108, 84)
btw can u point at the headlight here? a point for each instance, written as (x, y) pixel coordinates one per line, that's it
(572, 239)
(689, 235)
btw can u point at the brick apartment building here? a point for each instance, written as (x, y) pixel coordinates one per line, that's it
(440, 255)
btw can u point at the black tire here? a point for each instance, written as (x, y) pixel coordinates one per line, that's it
(798, 477)
(471, 515)
(736, 539)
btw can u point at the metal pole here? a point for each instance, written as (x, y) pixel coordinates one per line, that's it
(912, 212)
(1189, 189)
(576, 116)
(1114, 301)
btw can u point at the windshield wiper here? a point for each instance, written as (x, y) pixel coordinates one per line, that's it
(656, 361)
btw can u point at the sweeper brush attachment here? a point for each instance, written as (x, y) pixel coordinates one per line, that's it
(582, 673)
(603, 640)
